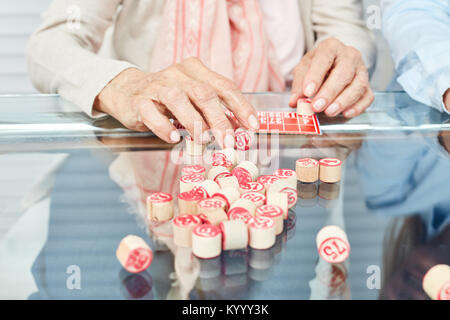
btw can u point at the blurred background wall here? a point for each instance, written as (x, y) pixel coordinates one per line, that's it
(19, 18)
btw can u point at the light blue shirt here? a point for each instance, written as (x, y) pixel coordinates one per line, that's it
(418, 33)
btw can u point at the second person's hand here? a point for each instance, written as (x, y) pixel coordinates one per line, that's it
(335, 77)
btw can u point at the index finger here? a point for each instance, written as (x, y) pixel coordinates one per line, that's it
(228, 91)
(321, 63)
(299, 76)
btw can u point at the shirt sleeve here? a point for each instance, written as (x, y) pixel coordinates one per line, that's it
(344, 21)
(418, 35)
(62, 54)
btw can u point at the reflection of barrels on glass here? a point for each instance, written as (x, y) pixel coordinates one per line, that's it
(234, 280)
(136, 286)
(289, 226)
(261, 259)
(307, 194)
(328, 194)
(260, 274)
(332, 280)
(209, 276)
(279, 245)
(156, 230)
(335, 278)
(234, 262)
(329, 191)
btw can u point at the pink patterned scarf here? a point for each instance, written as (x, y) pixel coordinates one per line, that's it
(226, 35)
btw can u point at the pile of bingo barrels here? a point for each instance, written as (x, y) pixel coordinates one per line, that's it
(231, 206)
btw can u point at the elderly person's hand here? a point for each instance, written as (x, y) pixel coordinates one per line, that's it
(335, 75)
(447, 99)
(188, 92)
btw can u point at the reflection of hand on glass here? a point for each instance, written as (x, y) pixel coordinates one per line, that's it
(332, 145)
(444, 139)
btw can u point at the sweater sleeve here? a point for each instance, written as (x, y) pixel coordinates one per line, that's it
(62, 54)
(344, 21)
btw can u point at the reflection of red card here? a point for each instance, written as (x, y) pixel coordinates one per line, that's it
(281, 122)
(286, 122)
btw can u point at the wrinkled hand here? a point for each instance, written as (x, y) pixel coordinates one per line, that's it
(188, 92)
(335, 75)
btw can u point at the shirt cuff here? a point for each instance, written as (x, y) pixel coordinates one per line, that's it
(104, 71)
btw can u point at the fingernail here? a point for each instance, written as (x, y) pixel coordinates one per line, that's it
(206, 137)
(175, 136)
(309, 90)
(333, 109)
(350, 113)
(229, 141)
(253, 122)
(319, 104)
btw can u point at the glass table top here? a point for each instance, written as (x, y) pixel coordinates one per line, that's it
(72, 187)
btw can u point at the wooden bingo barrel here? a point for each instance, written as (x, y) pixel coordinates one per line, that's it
(249, 167)
(209, 187)
(273, 212)
(436, 282)
(267, 180)
(182, 229)
(332, 244)
(262, 232)
(221, 161)
(234, 234)
(187, 201)
(160, 206)
(292, 196)
(243, 175)
(246, 204)
(228, 153)
(304, 107)
(307, 170)
(212, 211)
(211, 205)
(206, 241)
(134, 254)
(330, 170)
(257, 198)
(230, 195)
(240, 213)
(244, 139)
(218, 171)
(280, 199)
(228, 181)
(252, 186)
(193, 169)
(190, 181)
(290, 176)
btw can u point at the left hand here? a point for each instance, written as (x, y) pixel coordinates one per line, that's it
(335, 75)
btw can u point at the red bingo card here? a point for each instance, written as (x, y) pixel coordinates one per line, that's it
(281, 122)
(286, 122)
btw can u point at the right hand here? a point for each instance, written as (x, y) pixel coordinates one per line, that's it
(187, 91)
